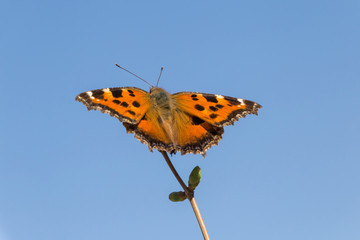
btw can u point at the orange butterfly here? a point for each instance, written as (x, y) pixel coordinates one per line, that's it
(186, 122)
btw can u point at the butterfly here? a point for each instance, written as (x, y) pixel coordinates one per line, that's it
(185, 122)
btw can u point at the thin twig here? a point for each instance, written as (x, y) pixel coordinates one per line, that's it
(199, 218)
(189, 195)
(183, 185)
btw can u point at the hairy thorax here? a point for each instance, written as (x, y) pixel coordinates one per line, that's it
(162, 109)
(160, 99)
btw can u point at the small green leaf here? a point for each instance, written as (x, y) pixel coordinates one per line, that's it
(194, 178)
(177, 196)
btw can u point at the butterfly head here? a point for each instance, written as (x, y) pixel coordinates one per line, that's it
(159, 96)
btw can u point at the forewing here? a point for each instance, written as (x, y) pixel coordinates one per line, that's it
(128, 104)
(217, 110)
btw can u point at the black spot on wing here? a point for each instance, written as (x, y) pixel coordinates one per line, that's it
(249, 104)
(197, 121)
(99, 94)
(194, 97)
(116, 93)
(131, 112)
(213, 115)
(124, 104)
(212, 108)
(199, 107)
(210, 98)
(116, 101)
(136, 104)
(232, 101)
(131, 93)
(219, 106)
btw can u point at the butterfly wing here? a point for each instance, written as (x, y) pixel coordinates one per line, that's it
(195, 135)
(151, 132)
(217, 110)
(128, 104)
(196, 121)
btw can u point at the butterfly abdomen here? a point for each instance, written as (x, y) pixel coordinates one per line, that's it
(161, 112)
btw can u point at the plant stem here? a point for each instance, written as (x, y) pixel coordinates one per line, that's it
(189, 195)
(199, 218)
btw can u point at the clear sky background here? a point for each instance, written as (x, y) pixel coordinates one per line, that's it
(290, 173)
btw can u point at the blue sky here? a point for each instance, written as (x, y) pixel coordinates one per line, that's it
(290, 173)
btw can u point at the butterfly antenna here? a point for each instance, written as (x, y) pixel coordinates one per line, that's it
(133, 74)
(159, 76)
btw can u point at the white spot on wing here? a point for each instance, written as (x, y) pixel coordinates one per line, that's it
(90, 94)
(241, 101)
(219, 96)
(106, 90)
